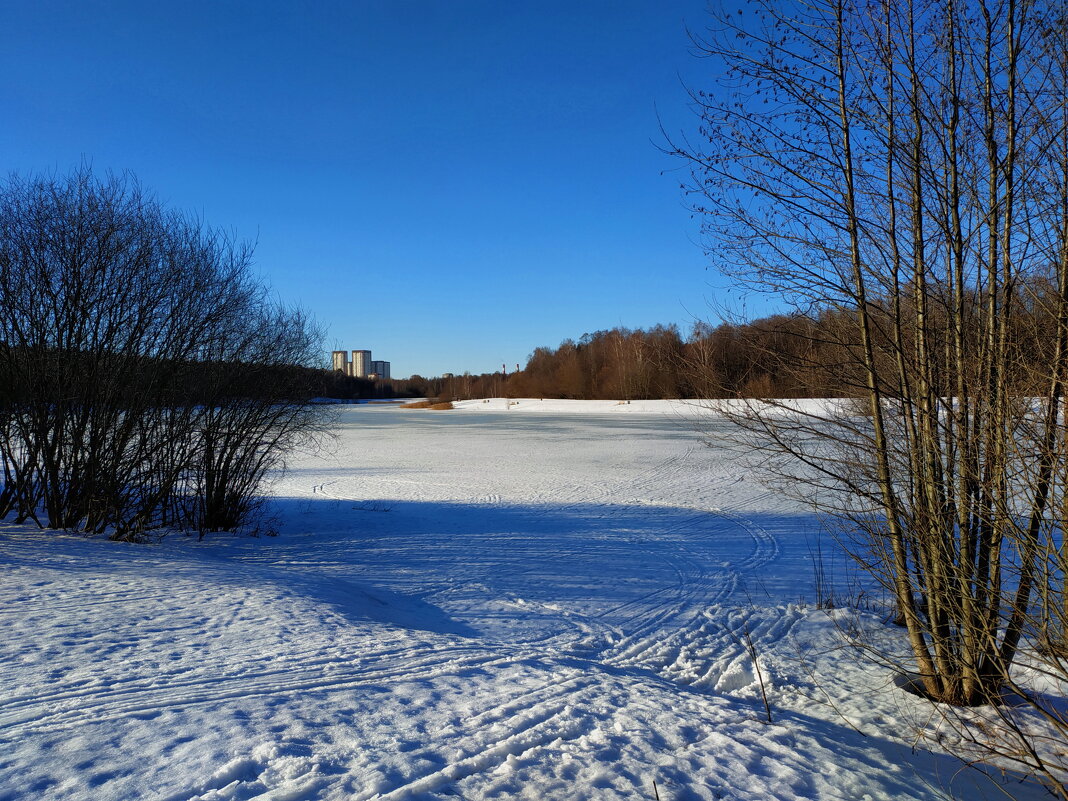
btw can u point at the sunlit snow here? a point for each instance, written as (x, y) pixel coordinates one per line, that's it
(547, 605)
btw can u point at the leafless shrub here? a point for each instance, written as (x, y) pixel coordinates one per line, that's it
(142, 365)
(433, 405)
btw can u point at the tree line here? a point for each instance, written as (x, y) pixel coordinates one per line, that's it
(730, 359)
(810, 354)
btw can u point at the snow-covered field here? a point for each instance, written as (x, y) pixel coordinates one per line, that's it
(545, 605)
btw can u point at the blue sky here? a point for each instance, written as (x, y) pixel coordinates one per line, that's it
(447, 184)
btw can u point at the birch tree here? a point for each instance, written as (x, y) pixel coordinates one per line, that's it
(903, 166)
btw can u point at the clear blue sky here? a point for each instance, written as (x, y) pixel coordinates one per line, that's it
(449, 184)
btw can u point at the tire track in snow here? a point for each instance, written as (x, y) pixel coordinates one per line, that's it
(530, 720)
(96, 704)
(673, 635)
(684, 632)
(580, 495)
(711, 653)
(130, 702)
(673, 631)
(178, 678)
(684, 588)
(547, 726)
(766, 546)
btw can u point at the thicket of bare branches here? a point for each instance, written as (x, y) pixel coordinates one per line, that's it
(796, 355)
(904, 166)
(778, 356)
(143, 377)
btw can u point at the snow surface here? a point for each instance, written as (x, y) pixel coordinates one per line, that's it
(478, 606)
(684, 409)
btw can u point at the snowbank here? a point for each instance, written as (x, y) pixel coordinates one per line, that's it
(682, 407)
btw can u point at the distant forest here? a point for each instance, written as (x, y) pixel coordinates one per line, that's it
(780, 356)
(773, 357)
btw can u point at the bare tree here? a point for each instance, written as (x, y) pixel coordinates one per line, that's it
(256, 407)
(901, 167)
(113, 313)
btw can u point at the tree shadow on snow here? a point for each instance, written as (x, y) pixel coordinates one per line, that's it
(567, 549)
(405, 562)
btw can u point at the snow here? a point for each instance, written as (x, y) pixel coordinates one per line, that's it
(685, 409)
(549, 605)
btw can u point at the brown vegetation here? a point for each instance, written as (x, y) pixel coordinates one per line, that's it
(798, 355)
(428, 404)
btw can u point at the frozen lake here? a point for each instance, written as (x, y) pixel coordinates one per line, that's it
(457, 605)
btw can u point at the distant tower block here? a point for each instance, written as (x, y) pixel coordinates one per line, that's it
(341, 360)
(361, 363)
(381, 369)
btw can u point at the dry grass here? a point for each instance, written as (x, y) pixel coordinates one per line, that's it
(427, 405)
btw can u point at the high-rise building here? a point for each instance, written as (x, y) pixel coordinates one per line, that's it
(361, 363)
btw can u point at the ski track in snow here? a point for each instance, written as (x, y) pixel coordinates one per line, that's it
(548, 610)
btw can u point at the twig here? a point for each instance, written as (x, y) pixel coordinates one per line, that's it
(756, 667)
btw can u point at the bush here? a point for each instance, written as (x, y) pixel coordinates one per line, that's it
(426, 404)
(143, 369)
